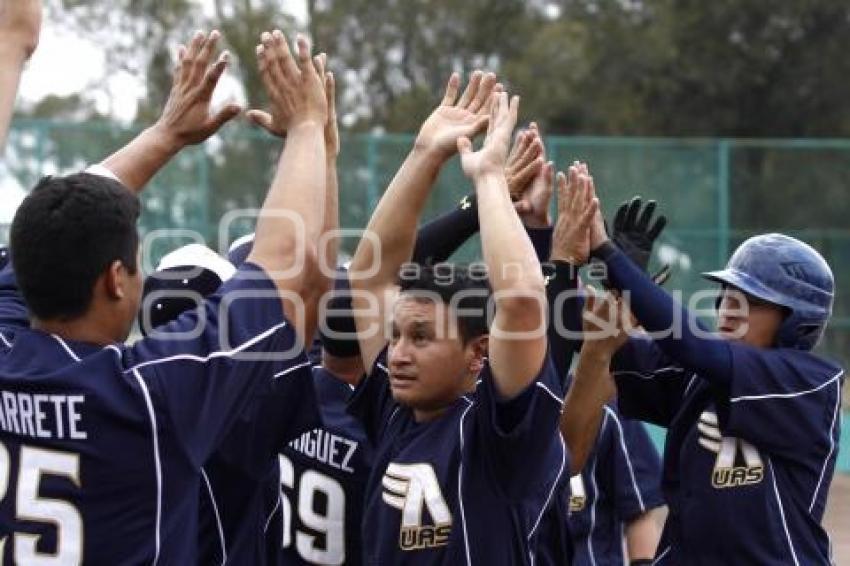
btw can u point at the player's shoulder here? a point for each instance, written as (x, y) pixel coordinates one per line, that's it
(816, 366)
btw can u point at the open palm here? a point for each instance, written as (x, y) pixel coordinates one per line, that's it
(456, 118)
(493, 154)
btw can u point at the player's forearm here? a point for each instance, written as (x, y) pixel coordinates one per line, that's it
(331, 222)
(437, 240)
(136, 163)
(565, 306)
(642, 536)
(508, 252)
(659, 313)
(12, 59)
(290, 222)
(395, 219)
(584, 405)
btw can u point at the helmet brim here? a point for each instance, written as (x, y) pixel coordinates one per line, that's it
(746, 284)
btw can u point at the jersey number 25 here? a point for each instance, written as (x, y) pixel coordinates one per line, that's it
(32, 465)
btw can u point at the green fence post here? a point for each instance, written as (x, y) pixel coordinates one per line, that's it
(723, 149)
(372, 163)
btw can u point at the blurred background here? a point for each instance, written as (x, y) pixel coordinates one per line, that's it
(733, 114)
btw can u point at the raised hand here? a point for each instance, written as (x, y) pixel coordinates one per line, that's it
(457, 118)
(296, 90)
(20, 25)
(493, 155)
(532, 199)
(577, 210)
(524, 162)
(186, 118)
(604, 322)
(332, 127)
(598, 233)
(635, 232)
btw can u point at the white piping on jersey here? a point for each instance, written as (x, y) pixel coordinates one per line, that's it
(836, 377)
(831, 445)
(393, 414)
(217, 354)
(661, 556)
(67, 348)
(688, 386)
(5, 340)
(595, 487)
(274, 512)
(782, 512)
(554, 485)
(157, 463)
(460, 486)
(290, 370)
(650, 375)
(383, 367)
(628, 457)
(549, 391)
(217, 518)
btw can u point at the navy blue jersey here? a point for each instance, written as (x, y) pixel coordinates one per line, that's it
(241, 479)
(469, 487)
(13, 310)
(101, 448)
(319, 513)
(621, 481)
(746, 471)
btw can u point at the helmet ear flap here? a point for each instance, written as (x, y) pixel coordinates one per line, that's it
(808, 334)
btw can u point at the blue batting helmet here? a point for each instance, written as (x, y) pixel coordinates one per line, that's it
(789, 273)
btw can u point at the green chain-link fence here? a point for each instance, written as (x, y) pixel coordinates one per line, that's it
(716, 192)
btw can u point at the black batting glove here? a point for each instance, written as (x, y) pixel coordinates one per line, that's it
(635, 232)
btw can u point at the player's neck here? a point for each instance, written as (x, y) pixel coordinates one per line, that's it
(429, 415)
(81, 329)
(348, 370)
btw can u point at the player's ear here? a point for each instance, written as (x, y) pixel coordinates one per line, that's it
(115, 281)
(478, 350)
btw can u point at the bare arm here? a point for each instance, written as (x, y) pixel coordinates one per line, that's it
(20, 24)
(185, 120)
(290, 221)
(592, 385)
(332, 148)
(643, 534)
(393, 224)
(517, 342)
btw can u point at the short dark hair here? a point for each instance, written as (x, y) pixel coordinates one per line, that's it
(66, 232)
(448, 280)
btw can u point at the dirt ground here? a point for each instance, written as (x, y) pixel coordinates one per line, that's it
(837, 520)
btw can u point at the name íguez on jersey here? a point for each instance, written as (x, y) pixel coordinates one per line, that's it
(42, 415)
(411, 488)
(726, 473)
(328, 448)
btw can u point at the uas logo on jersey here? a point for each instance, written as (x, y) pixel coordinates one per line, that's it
(578, 495)
(411, 488)
(750, 469)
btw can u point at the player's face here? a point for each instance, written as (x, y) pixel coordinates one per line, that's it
(429, 365)
(748, 319)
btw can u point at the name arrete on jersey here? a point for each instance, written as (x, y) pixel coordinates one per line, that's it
(42, 415)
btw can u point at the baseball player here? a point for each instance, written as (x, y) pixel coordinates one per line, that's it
(457, 437)
(237, 477)
(611, 501)
(751, 412)
(102, 443)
